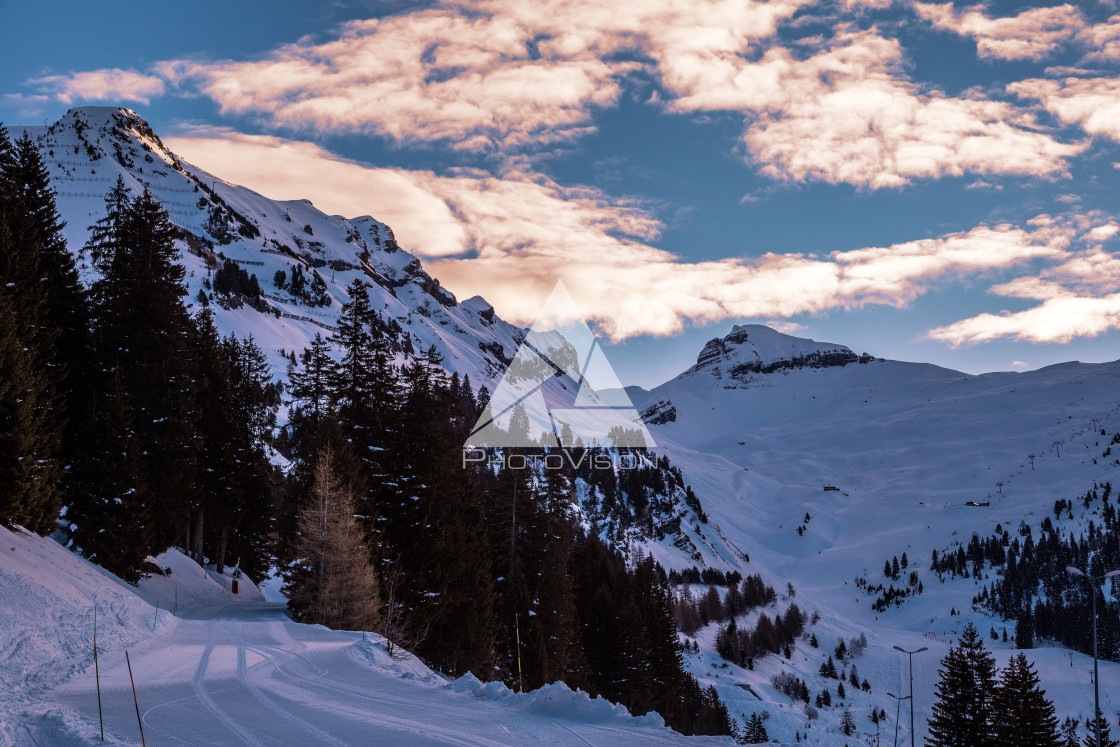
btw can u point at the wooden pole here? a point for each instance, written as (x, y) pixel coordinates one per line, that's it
(135, 702)
(97, 672)
(517, 629)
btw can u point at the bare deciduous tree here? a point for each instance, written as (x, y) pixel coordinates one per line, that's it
(335, 584)
(396, 624)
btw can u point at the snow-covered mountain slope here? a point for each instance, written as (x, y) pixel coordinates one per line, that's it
(883, 458)
(89, 147)
(196, 648)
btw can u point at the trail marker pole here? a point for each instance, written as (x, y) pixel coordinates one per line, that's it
(517, 630)
(135, 702)
(97, 672)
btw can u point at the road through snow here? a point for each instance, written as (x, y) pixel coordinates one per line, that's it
(241, 672)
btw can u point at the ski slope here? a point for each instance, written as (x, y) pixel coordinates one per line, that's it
(906, 445)
(234, 669)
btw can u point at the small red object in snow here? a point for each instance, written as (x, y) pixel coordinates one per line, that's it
(234, 582)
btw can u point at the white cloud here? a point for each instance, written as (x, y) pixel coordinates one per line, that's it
(1103, 39)
(1030, 35)
(509, 238)
(1058, 319)
(1079, 296)
(848, 114)
(785, 326)
(1093, 104)
(109, 84)
(513, 78)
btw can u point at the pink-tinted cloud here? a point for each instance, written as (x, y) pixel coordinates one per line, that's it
(1057, 319)
(516, 78)
(1103, 39)
(486, 75)
(509, 238)
(848, 114)
(110, 84)
(1079, 297)
(1093, 104)
(1030, 35)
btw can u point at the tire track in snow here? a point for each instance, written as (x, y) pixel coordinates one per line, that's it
(204, 697)
(568, 729)
(267, 702)
(318, 681)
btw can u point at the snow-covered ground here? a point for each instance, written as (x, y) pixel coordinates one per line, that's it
(233, 669)
(907, 445)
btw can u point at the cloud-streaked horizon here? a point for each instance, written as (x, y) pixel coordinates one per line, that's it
(509, 238)
(479, 111)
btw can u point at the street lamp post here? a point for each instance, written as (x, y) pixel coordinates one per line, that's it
(910, 654)
(897, 711)
(1093, 581)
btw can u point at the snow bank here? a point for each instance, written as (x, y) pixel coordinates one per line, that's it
(47, 599)
(556, 700)
(372, 652)
(188, 585)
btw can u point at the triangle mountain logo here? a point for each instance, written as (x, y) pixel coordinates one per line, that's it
(560, 390)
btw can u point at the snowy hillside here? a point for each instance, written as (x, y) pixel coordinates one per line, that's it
(823, 471)
(260, 678)
(277, 241)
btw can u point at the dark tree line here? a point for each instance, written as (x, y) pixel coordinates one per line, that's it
(706, 576)
(234, 285)
(1033, 587)
(123, 414)
(742, 596)
(470, 560)
(742, 645)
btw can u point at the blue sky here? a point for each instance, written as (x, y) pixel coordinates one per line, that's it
(920, 181)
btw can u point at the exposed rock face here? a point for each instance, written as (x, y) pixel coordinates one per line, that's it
(659, 413)
(754, 349)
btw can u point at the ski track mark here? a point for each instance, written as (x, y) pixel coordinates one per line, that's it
(199, 687)
(259, 695)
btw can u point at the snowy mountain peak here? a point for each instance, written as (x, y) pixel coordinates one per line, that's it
(756, 349)
(304, 260)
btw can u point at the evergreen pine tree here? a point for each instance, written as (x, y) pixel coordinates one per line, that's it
(65, 305)
(553, 648)
(754, 731)
(28, 498)
(1090, 739)
(32, 307)
(1021, 713)
(142, 350)
(962, 715)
